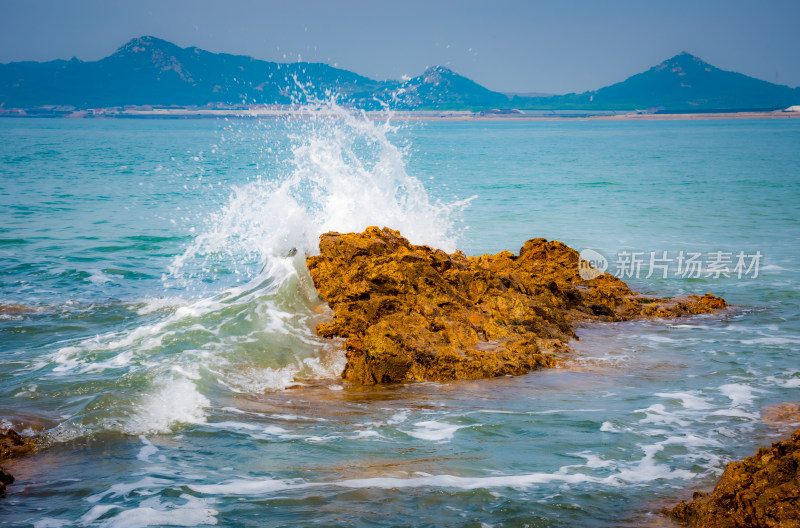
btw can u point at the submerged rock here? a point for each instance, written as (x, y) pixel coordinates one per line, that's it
(782, 414)
(13, 309)
(412, 313)
(11, 445)
(760, 491)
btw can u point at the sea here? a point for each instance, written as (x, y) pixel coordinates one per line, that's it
(157, 319)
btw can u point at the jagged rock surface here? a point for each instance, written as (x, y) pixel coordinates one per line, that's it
(410, 313)
(761, 491)
(11, 445)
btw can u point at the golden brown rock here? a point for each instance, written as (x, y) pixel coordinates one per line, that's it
(411, 313)
(11, 445)
(761, 491)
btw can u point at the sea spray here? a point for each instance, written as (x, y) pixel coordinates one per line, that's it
(240, 308)
(345, 174)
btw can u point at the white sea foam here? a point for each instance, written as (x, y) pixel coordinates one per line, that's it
(642, 471)
(789, 383)
(435, 431)
(660, 338)
(176, 402)
(98, 277)
(398, 418)
(688, 400)
(773, 267)
(738, 393)
(147, 450)
(146, 485)
(155, 512)
(366, 434)
(295, 417)
(96, 512)
(253, 429)
(735, 413)
(49, 522)
(250, 487)
(133, 343)
(156, 304)
(772, 341)
(451, 481)
(245, 487)
(254, 380)
(659, 415)
(610, 427)
(27, 391)
(647, 470)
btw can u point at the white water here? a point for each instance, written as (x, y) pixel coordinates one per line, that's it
(250, 328)
(346, 175)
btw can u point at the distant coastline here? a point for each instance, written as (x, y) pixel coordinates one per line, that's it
(151, 77)
(400, 115)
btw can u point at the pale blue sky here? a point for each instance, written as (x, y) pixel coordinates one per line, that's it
(554, 46)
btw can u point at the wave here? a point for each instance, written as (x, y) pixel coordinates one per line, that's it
(250, 327)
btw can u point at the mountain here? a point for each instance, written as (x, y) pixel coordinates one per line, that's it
(687, 82)
(682, 83)
(151, 71)
(441, 88)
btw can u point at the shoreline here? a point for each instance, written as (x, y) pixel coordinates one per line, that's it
(458, 116)
(618, 117)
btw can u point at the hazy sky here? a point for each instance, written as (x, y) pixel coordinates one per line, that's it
(554, 46)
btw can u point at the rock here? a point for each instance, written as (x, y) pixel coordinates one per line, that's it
(6, 478)
(411, 313)
(12, 445)
(15, 309)
(758, 492)
(782, 414)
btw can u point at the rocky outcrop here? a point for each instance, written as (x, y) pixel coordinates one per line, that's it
(761, 491)
(410, 313)
(11, 445)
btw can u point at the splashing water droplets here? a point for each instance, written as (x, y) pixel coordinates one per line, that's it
(245, 311)
(344, 175)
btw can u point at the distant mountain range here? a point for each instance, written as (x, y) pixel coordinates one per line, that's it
(151, 71)
(682, 83)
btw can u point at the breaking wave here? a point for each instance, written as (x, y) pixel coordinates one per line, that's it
(249, 327)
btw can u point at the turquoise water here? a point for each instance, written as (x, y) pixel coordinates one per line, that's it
(161, 334)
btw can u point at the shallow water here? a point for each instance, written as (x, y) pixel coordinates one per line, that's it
(166, 348)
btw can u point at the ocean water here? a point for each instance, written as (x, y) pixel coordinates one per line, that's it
(157, 320)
